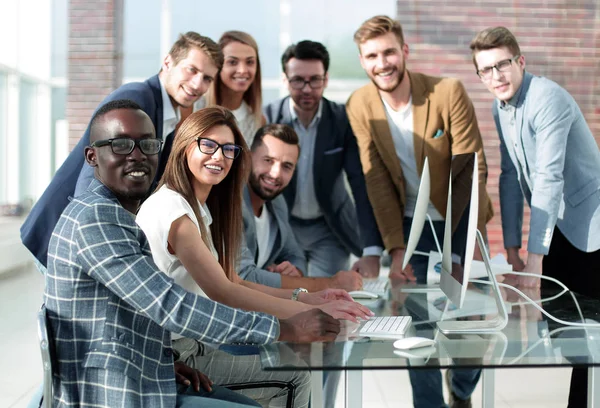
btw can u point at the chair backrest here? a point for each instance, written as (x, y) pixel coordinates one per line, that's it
(46, 348)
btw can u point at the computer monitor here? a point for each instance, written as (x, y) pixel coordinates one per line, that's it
(464, 179)
(463, 195)
(418, 219)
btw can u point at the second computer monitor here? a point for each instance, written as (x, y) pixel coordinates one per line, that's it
(463, 195)
(418, 218)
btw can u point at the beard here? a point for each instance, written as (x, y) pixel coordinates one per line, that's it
(392, 87)
(259, 191)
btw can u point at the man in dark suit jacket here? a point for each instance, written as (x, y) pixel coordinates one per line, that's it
(271, 255)
(322, 214)
(186, 72)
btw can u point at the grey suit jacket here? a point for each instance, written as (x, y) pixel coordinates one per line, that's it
(335, 150)
(285, 248)
(560, 175)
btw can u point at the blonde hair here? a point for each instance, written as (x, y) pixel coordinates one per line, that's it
(191, 39)
(252, 96)
(225, 199)
(378, 26)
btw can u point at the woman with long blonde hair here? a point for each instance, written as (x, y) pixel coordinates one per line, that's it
(194, 226)
(237, 87)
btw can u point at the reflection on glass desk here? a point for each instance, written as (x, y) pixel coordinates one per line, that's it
(529, 340)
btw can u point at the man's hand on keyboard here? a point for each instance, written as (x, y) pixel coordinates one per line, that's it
(347, 280)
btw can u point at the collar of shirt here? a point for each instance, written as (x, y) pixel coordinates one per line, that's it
(515, 99)
(205, 214)
(315, 120)
(171, 115)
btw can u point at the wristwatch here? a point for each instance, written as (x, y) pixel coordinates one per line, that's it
(297, 292)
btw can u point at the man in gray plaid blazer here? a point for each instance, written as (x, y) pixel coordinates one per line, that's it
(111, 310)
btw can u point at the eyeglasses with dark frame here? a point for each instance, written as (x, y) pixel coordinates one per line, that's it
(501, 66)
(125, 145)
(315, 82)
(210, 147)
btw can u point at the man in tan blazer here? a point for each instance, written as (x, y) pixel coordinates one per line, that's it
(399, 119)
(393, 147)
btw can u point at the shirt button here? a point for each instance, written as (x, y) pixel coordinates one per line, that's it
(168, 352)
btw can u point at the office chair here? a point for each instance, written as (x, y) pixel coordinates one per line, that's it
(46, 348)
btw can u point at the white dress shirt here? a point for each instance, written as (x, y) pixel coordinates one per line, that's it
(401, 127)
(171, 116)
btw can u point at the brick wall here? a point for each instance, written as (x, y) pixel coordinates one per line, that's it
(559, 38)
(95, 59)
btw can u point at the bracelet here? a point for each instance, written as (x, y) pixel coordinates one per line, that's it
(297, 292)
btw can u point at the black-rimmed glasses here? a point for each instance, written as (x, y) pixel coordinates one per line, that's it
(501, 66)
(125, 145)
(210, 147)
(315, 82)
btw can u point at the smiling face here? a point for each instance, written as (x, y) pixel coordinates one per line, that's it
(273, 164)
(306, 99)
(239, 69)
(209, 169)
(505, 84)
(187, 80)
(384, 60)
(129, 176)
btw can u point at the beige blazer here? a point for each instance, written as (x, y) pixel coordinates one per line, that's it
(438, 104)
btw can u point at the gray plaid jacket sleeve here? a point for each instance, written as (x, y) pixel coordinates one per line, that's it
(108, 249)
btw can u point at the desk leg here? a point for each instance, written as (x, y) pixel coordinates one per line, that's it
(353, 388)
(593, 387)
(488, 385)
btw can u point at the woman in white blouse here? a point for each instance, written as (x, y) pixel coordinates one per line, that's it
(193, 223)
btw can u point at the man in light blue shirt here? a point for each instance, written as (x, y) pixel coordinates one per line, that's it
(550, 157)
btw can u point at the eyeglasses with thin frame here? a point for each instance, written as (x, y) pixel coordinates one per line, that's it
(210, 147)
(125, 145)
(501, 66)
(315, 82)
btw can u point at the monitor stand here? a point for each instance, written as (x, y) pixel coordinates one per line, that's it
(480, 326)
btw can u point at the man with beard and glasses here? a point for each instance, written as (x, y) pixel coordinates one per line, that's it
(111, 310)
(185, 75)
(399, 119)
(326, 222)
(271, 254)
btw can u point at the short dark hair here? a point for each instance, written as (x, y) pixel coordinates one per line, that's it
(306, 50)
(494, 37)
(279, 131)
(109, 107)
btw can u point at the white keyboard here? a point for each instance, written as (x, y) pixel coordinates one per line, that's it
(393, 327)
(378, 286)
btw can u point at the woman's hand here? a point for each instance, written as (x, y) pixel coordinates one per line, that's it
(345, 310)
(324, 296)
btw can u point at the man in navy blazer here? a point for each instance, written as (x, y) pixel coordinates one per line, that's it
(549, 155)
(327, 223)
(186, 73)
(271, 255)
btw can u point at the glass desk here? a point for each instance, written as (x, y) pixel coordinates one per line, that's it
(529, 340)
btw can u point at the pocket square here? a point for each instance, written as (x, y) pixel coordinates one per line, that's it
(334, 151)
(438, 133)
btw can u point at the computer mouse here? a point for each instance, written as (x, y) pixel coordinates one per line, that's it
(363, 294)
(409, 343)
